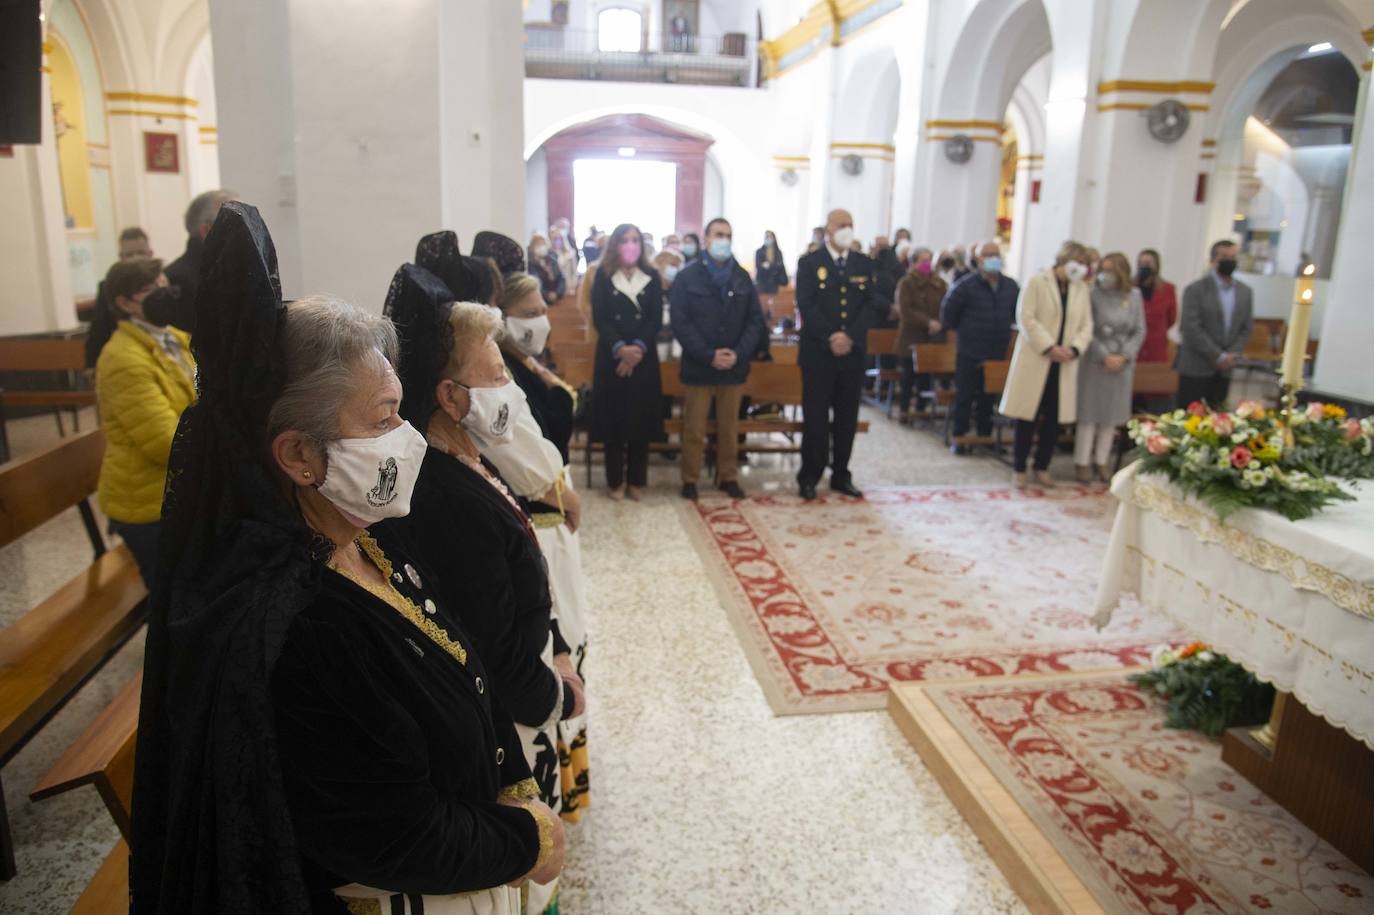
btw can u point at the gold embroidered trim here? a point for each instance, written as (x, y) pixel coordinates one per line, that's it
(521, 790)
(1300, 572)
(402, 604)
(545, 835)
(357, 906)
(545, 520)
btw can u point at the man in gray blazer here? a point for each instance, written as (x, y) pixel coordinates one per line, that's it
(1217, 317)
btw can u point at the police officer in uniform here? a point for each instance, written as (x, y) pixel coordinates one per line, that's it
(838, 301)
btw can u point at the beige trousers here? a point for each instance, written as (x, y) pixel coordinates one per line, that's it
(695, 407)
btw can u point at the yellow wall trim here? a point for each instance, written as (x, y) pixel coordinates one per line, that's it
(1207, 144)
(951, 136)
(209, 129)
(45, 69)
(1143, 85)
(1030, 157)
(1365, 65)
(884, 146)
(1143, 106)
(104, 165)
(1367, 35)
(153, 99)
(791, 158)
(976, 125)
(205, 142)
(152, 114)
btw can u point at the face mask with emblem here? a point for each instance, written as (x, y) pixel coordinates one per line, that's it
(370, 479)
(493, 412)
(529, 334)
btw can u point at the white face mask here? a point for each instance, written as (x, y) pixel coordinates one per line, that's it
(369, 479)
(843, 238)
(539, 250)
(1075, 271)
(493, 412)
(529, 463)
(529, 334)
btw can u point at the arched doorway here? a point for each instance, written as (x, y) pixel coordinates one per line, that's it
(862, 154)
(645, 150)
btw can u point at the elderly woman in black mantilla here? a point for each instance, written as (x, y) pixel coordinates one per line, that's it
(532, 460)
(317, 733)
(468, 524)
(627, 401)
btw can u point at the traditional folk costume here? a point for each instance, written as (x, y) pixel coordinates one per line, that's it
(306, 743)
(466, 523)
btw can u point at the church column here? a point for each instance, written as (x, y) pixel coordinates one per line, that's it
(350, 164)
(958, 174)
(1347, 331)
(866, 195)
(35, 286)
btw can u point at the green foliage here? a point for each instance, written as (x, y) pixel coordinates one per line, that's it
(1208, 692)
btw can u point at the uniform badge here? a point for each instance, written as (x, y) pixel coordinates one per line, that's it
(822, 273)
(413, 575)
(430, 608)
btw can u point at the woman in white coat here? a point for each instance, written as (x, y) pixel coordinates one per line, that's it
(1055, 324)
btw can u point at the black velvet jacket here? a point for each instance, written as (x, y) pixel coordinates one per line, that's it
(392, 752)
(492, 573)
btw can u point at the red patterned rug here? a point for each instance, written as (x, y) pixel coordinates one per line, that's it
(835, 599)
(1150, 819)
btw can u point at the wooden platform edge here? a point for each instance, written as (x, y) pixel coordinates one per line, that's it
(108, 891)
(1030, 862)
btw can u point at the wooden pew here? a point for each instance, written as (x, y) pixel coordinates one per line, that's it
(108, 891)
(780, 304)
(45, 354)
(54, 648)
(994, 381)
(102, 756)
(882, 341)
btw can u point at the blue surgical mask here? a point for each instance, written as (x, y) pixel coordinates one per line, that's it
(720, 249)
(991, 264)
(689, 248)
(670, 272)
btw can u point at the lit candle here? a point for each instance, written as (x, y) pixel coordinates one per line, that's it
(1299, 323)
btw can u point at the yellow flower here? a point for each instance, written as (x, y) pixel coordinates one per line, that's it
(1191, 426)
(1331, 411)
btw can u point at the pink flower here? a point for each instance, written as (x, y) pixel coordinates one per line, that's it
(1314, 410)
(1241, 457)
(1158, 444)
(1197, 408)
(1352, 429)
(1223, 424)
(1248, 408)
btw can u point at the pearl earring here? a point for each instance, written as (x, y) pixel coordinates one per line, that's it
(306, 474)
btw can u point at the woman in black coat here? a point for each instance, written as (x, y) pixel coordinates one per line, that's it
(627, 408)
(770, 271)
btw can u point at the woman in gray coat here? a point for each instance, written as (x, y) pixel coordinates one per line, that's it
(1108, 367)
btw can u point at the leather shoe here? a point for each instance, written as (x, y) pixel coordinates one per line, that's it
(733, 490)
(847, 488)
(808, 491)
(689, 491)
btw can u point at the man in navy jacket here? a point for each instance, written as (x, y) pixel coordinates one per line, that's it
(717, 319)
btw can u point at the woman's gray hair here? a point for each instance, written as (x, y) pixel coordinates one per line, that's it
(325, 341)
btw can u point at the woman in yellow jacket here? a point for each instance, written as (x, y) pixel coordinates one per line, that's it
(144, 379)
(1055, 323)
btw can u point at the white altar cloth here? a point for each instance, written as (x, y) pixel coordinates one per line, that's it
(1292, 601)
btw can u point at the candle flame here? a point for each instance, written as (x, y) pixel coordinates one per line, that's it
(1307, 296)
(1309, 270)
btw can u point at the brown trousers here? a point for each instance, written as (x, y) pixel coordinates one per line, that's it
(696, 405)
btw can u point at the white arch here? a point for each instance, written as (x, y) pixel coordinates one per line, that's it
(859, 115)
(999, 41)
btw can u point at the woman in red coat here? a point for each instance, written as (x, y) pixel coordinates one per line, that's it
(1161, 307)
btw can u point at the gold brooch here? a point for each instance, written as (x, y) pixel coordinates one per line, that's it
(822, 273)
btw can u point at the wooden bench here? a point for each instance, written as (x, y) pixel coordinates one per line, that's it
(108, 891)
(994, 381)
(65, 354)
(102, 756)
(50, 652)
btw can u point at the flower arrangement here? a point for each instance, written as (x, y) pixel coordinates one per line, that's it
(1331, 443)
(1233, 460)
(1206, 691)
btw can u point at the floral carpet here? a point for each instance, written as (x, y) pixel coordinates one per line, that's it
(1150, 819)
(834, 599)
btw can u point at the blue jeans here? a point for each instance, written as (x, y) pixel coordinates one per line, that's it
(141, 539)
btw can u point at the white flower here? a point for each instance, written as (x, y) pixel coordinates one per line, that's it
(1205, 656)
(1254, 477)
(1161, 656)
(1240, 435)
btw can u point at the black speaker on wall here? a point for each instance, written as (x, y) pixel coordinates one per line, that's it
(21, 79)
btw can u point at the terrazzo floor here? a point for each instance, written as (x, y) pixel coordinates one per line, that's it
(702, 800)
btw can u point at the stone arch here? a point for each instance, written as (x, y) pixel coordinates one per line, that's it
(999, 41)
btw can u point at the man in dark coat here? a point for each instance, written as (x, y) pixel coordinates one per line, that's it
(838, 302)
(184, 272)
(717, 319)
